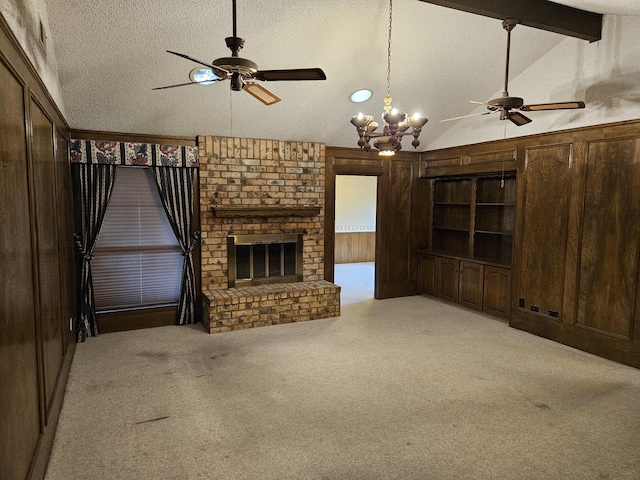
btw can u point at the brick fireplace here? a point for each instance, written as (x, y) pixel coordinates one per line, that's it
(269, 189)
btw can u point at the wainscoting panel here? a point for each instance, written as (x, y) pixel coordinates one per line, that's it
(355, 247)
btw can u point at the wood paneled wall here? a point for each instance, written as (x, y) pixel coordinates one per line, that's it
(37, 299)
(355, 247)
(576, 253)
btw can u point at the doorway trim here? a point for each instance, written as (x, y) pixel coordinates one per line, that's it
(348, 161)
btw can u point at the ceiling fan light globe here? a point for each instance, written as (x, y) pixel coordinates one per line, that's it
(203, 76)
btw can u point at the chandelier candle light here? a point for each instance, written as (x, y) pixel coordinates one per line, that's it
(396, 123)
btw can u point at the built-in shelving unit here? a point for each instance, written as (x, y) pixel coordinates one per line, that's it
(494, 218)
(452, 215)
(474, 217)
(471, 242)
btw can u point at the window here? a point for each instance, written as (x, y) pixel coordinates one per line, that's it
(137, 261)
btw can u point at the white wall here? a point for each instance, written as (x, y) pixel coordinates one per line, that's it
(605, 74)
(23, 18)
(355, 203)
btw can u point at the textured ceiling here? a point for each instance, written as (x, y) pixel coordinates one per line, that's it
(111, 54)
(611, 7)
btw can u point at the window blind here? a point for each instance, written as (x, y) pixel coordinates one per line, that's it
(137, 261)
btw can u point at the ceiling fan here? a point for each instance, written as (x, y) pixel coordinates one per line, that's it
(242, 72)
(507, 104)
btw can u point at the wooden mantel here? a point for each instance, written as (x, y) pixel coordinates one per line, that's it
(266, 211)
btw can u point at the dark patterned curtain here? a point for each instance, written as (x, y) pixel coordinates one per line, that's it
(93, 185)
(175, 186)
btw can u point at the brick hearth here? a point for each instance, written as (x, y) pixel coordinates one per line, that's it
(262, 175)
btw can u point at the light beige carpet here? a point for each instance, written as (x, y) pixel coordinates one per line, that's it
(408, 388)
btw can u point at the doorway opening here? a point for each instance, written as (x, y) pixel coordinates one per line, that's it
(355, 236)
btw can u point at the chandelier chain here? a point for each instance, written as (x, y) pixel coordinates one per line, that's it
(389, 50)
(396, 124)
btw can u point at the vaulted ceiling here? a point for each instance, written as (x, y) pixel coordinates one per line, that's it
(111, 54)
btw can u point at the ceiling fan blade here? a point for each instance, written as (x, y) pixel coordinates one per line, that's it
(552, 106)
(258, 91)
(220, 72)
(294, 74)
(518, 118)
(478, 103)
(184, 85)
(466, 116)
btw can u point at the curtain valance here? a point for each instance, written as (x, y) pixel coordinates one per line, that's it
(127, 153)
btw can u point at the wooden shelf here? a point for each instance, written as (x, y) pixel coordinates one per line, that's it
(454, 229)
(493, 232)
(266, 211)
(491, 204)
(452, 204)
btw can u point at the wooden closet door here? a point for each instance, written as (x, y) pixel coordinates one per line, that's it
(545, 229)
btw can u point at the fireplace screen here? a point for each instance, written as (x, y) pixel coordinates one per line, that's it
(259, 259)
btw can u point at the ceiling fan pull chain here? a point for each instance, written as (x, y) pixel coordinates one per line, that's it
(389, 51)
(504, 137)
(231, 111)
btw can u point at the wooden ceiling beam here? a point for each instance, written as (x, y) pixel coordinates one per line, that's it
(541, 14)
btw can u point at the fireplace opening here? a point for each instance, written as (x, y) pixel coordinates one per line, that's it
(260, 259)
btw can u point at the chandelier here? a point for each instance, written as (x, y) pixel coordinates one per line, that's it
(396, 123)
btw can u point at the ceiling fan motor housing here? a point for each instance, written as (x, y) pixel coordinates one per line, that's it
(240, 65)
(506, 102)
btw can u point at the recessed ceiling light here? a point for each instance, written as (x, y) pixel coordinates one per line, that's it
(361, 95)
(203, 76)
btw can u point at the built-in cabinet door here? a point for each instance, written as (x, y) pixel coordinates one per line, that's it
(497, 288)
(448, 278)
(428, 274)
(470, 288)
